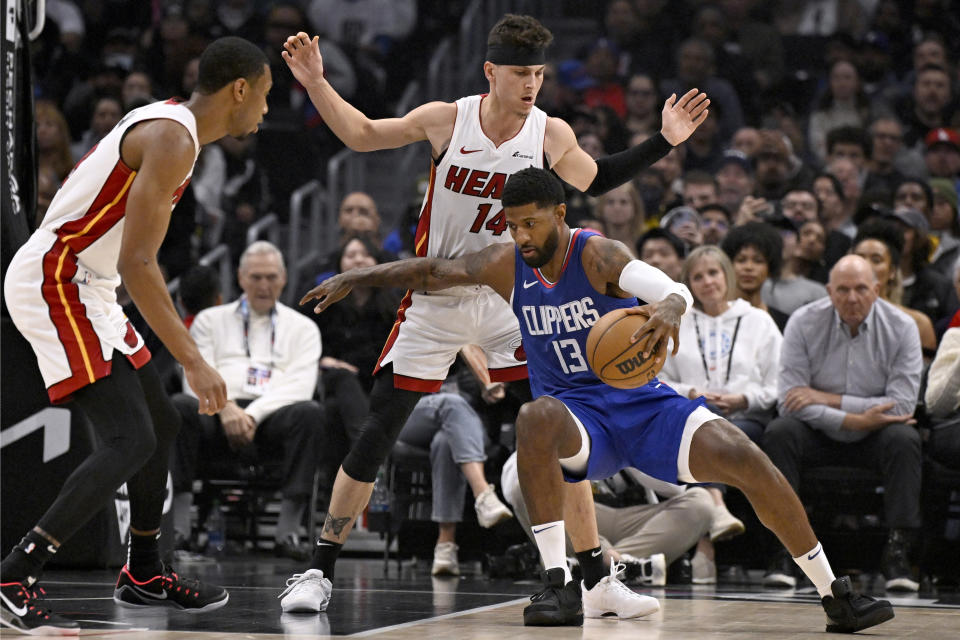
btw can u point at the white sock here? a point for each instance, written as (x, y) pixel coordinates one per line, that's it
(552, 542)
(814, 564)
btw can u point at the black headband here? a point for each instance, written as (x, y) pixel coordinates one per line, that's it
(516, 56)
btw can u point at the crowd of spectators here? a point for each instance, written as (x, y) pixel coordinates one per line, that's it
(834, 129)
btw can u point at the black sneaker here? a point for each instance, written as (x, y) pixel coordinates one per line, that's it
(557, 605)
(23, 610)
(848, 611)
(168, 590)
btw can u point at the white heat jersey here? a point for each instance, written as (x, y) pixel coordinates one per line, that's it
(87, 212)
(461, 210)
(60, 287)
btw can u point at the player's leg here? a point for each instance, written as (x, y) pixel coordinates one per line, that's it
(550, 440)
(145, 581)
(720, 452)
(309, 592)
(115, 407)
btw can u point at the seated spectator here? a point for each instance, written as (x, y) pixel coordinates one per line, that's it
(661, 249)
(853, 144)
(839, 229)
(734, 179)
(704, 147)
(942, 155)
(137, 90)
(849, 376)
(107, 112)
(929, 105)
(776, 168)
(717, 221)
(354, 333)
(199, 290)
(924, 289)
(943, 400)
(643, 105)
(53, 140)
(846, 172)
(449, 427)
(808, 259)
(746, 140)
(622, 213)
(843, 103)
(685, 223)
(600, 65)
(634, 526)
(268, 355)
(886, 136)
(944, 225)
(700, 189)
(880, 243)
(790, 290)
(756, 251)
(734, 366)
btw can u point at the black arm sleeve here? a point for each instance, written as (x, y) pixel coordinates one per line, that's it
(615, 170)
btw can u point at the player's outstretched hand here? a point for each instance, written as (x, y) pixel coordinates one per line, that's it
(210, 388)
(681, 117)
(302, 55)
(328, 292)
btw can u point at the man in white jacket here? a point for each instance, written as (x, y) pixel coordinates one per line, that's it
(268, 355)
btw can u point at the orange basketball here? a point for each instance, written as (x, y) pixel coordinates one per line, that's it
(616, 361)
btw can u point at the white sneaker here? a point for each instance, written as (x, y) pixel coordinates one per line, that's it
(445, 562)
(704, 570)
(650, 571)
(724, 525)
(307, 592)
(610, 597)
(490, 510)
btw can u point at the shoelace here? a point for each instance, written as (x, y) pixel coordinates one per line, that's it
(297, 579)
(170, 577)
(616, 568)
(32, 598)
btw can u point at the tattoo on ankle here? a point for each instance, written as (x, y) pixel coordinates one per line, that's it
(335, 525)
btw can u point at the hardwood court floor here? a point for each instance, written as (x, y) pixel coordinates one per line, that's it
(414, 606)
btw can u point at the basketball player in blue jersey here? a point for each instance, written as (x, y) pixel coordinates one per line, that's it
(477, 142)
(559, 282)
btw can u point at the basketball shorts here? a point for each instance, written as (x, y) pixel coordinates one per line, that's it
(649, 428)
(432, 327)
(70, 316)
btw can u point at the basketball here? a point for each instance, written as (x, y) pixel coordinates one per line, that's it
(616, 361)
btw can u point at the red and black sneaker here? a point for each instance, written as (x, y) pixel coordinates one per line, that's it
(168, 590)
(23, 610)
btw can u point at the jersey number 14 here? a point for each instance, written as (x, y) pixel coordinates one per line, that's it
(497, 224)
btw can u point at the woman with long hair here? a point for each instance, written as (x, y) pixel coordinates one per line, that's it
(622, 213)
(53, 139)
(843, 103)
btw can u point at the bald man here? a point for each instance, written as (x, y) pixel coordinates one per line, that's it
(849, 377)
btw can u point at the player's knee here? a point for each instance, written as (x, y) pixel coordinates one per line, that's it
(538, 422)
(726, 452)
(138, 448)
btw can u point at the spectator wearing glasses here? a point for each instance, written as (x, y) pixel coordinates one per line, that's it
(886, 136)
(643, 102)
(717, 221)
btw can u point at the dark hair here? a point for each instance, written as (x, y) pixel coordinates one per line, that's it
(837, 185)
(762, 237)
(716, 206)
(367, 243)
(532, 185)
(519, 31)
(199, 288)
(884, 231)
(696, 176)
(862, 101)
(850, 135)
(227, 59)
(927, 191)
(662, 234)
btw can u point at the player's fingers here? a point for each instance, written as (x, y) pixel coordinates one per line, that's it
(675, 334)
(672, 100)
(696, 101)
(699, 108)
(686, 98)
(699, 119)
(653, 342)
(316, 292)
(645, 328)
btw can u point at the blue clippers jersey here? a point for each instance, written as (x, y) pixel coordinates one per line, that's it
(556, 318)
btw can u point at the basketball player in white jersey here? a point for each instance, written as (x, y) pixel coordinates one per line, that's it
(105, 223)
(477, 142)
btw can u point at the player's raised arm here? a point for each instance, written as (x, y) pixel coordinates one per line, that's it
(493, 266)
(609, 264)
(432, 121)
(680, 117)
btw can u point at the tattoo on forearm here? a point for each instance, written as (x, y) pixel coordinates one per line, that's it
(335, 525)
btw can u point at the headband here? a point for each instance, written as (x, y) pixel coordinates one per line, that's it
(516, 56)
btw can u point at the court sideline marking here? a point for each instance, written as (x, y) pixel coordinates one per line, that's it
(446, 616)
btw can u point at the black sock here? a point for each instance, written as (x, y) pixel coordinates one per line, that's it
(591, 566)
(143, 556)
(325, 557)
(25, 562)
